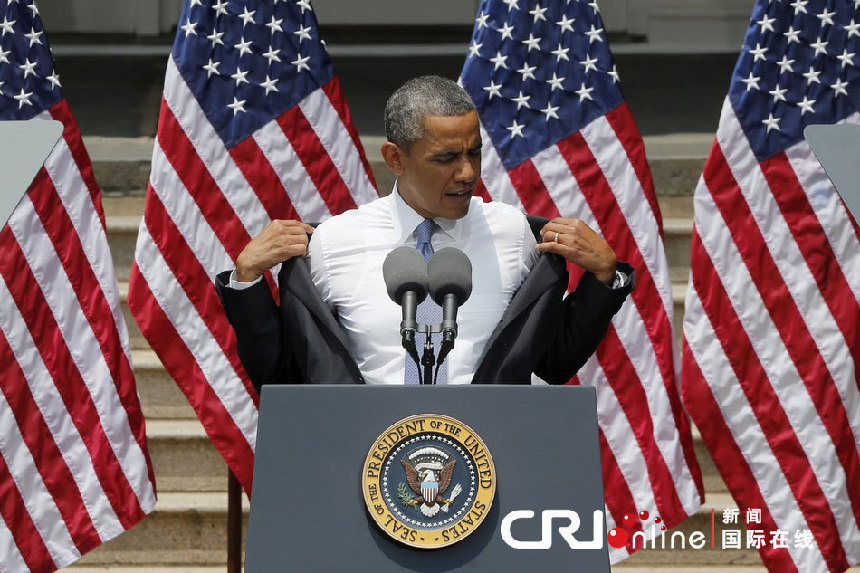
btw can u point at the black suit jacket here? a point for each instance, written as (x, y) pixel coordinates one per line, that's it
(541, 332)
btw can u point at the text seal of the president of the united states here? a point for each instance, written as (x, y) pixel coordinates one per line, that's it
(428, 481)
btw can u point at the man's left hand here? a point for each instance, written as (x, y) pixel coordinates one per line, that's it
(579, 244)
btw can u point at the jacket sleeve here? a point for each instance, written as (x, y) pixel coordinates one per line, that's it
(257, 323)
(585, 317)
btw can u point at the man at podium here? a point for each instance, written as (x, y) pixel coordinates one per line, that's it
(336, 323)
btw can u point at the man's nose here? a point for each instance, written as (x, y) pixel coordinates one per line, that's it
(465, 170)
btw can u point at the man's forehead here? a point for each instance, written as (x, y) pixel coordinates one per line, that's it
(440, 130)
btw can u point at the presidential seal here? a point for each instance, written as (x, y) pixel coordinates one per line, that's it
(428, 481)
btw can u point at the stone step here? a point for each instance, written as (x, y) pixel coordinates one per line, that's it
(160, 397)
(184, 458)
(185, 529)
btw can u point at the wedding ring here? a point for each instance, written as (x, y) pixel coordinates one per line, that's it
(556, 237)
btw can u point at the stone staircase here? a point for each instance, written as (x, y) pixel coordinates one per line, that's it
(187, 532)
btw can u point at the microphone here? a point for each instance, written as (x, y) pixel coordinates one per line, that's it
(450, 281)
(405, 275)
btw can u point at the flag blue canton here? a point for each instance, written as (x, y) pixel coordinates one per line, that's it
(798, 67)
(549, 69)
(28, 83)
(248, 61)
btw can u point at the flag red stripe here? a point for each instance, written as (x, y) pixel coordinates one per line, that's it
(72, 134)
(628, 135)
(646, 296)
(316, 160)
(191, 275)
(200, 184)
(532, 191)
(27, 538)
(338, 102)
(785, 315)
(764, 402)
(628, 388)
(182, 366)
(49, 341)
(814, 246)
(93, 303)
(481, 191)
(53, 469)
(727, 456)
(268, 187)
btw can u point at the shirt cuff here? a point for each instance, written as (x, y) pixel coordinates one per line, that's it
(238, 285)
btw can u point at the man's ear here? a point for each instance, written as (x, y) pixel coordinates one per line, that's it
(393, 157)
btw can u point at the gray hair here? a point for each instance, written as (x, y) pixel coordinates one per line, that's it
(418, 98)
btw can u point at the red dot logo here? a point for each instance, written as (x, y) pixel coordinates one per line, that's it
(629, 520)
(643, 515)
(617, 537)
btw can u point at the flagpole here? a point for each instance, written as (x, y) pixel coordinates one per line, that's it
(234, 524)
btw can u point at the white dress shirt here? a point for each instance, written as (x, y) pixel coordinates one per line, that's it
(346, 253)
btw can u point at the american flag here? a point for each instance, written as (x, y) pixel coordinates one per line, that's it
(560, 140)
(74, 466)
(771, 321)
(253, 127)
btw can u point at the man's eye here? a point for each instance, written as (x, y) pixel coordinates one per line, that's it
(446, 159)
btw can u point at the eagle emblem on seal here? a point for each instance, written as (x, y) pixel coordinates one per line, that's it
(428, 472)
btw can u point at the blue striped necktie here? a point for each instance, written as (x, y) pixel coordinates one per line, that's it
(428, 312)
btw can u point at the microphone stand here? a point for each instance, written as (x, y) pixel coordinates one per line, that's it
(428, 359)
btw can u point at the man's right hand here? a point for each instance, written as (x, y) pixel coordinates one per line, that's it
(281, 240)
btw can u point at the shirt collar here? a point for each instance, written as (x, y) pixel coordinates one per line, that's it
(406, 219)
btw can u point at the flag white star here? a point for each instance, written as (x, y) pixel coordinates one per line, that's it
(54, 78)
(593, 6)
(812, 76)
(211, 68)
(23, 98)
(220, 7)
(247, 17)
(555, 82)
(771, 122)
(785, 65)
(793, 36)
(28, 67)
(3, 56)
(34, 37)
(522, 100)
(1, 87)
(475, 48)
(806, 106)
(752, 82)
(243, 46)
(272, 55)
(304, 5)
(589, 63)
(493, 89)
(766, 24)
(826, 17)
(269, 84)
(301, 63)
(614, 75)
(550, 111)
(840, 87)
(594, 34)
(481, 20)
(506, 31)
(527, 71)
(303, 33)
(33, 8)
(584, 93)
(561, 53)
(820, 46)
(239, 76)
(512, 4)
(215, 38)
(499, 61)
(7, 26)
(189, 28)
(799, 6)
(759, 53)
(778, 93)
(237, 105)
(566, 25)
(538, 14)
(275, 25)
(847, 58)
(533, 43)
(196, 3)
(852, 29)
(516, 129)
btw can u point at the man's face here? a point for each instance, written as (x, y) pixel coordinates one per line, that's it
(437, 177)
